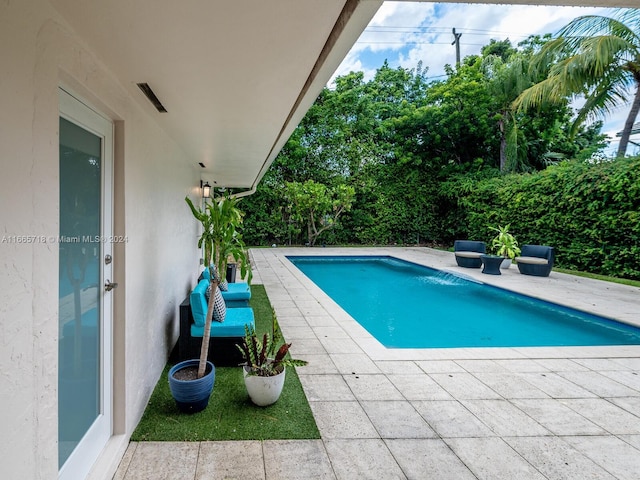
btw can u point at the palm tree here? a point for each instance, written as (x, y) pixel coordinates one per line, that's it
(505, 81)
(596, 57)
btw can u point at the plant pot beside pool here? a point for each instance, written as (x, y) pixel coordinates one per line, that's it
(263, 391)
(191, 393)
(265, 364)
(505, 245)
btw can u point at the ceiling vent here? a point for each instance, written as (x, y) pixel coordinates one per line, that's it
(146, 89)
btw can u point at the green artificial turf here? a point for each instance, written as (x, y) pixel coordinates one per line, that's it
(230, 414)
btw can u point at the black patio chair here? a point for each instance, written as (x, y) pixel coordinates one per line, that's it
(535, 260)
(467, 253)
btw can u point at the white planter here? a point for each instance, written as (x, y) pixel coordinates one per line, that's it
(263, 391)
(506, 263)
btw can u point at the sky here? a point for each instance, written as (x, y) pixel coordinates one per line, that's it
(403, 33)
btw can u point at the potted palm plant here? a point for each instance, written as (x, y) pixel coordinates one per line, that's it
(191, 381)
(265, 364)
(505, 245)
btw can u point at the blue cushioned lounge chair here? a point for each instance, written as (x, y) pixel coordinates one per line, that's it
(224, 335)
(237, 294)
(535, 260)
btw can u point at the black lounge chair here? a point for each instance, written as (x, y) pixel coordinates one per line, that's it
(467, 253)
(535, 260)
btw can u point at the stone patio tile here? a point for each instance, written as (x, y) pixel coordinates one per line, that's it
(510, 385)
(354, 363)
(325, 387)
(288, 321)
(318, 364)
(633, 440)
(560, 364)
(230, 460)
(397, 419)
(321, 321)
(598, 384)
(362, 460)
(418, 387)
(440, 366)
(403, 367)
(555, 416)
(612, 418)
(493, 459)
(288, 311)
(521, 366)
(614, 455)
(342, 420)
(163, 461)
(372, 387)
(555, 386)
(632, 362)
(296, 460)
(451, 419)
(556, 459)
(629, 378)
(428, 459)
(340, 345)
(304, 346)
(464, 385)
(504, 418)
(125, 462)
(307, 305)
(630, 404)
(473, 366)
(330, 332)
(602, 364)
(295, 333)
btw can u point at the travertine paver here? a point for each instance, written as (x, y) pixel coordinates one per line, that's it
(495, 413)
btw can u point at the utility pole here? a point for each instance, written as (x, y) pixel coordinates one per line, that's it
(456, 42)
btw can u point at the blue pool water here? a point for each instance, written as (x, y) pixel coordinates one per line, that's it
(405, 305)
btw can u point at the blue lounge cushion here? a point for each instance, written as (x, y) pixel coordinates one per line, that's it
(234, 321)
(237, 291)
(233, 325)
(198, 301)
(206, 274)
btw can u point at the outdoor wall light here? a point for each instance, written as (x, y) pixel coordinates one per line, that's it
(206, 189)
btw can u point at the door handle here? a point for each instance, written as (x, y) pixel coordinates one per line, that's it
(109, 285)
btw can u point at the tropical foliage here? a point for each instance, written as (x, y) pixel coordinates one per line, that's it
(594, 57)
(433, 160)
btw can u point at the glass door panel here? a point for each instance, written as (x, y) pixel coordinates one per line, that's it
(84, 311)
(79, 287)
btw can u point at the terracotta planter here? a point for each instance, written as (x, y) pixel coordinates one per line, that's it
(263, 391)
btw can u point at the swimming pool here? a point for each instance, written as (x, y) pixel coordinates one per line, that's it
(405, 305)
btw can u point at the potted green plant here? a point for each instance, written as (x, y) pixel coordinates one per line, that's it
(505, 245)
(220, 240)
(265, 364)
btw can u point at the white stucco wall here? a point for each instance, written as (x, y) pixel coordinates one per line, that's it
(156, 267)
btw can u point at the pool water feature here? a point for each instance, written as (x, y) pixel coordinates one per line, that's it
(405, 305)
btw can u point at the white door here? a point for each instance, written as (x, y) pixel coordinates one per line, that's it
(85, 289)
